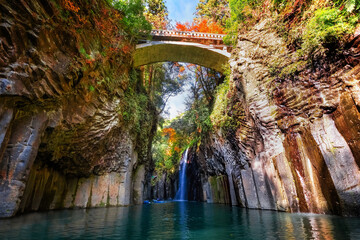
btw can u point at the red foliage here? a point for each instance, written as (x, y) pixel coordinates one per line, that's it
(126, 49)
(69, 5)
(201, 25)
(89, 61)
(182, 27)
(72, 7)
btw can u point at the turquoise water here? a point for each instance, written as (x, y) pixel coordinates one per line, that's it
(177, 220)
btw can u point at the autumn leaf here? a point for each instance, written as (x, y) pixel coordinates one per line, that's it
(200, 25)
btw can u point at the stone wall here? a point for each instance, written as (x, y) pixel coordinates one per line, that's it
(164, 186)
(48, 189)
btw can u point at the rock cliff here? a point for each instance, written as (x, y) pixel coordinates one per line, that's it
(76, 126)
(65, 140)
(296, 141)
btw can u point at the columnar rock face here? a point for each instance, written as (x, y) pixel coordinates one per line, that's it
(165, 187)
(63, 138)
(297, 140)
(65, 141)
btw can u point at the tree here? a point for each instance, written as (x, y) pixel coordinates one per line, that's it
(216, 11)
(162, 81)
(200, 25)
(157, 14)
(134, 22)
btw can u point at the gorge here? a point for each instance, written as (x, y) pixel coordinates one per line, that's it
(78, 120)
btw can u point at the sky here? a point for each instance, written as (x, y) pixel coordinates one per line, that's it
(179, 11)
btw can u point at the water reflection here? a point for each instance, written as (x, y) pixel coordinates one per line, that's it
(178, 220)
(183, 221)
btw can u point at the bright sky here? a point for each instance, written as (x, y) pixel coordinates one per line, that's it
(179, 11)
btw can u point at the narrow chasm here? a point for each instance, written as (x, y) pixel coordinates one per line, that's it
(109, 103)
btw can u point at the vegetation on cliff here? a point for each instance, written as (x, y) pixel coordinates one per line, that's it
(177, 134)
(308, 26)
(315, 32)
(88, 80)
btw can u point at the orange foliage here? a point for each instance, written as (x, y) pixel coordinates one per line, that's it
(182, 69)
(72, 7)
(177, 149)
(89, 61)
(69, 5)
(172, 141)
(171, 133)
(126, 49)
(182, 27)
(106, 23)
(201, 25)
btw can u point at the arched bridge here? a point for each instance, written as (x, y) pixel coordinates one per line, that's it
(205, 49)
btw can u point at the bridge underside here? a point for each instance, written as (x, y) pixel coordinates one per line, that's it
(202, 55)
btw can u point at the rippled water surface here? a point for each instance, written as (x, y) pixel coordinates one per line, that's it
(177, 220)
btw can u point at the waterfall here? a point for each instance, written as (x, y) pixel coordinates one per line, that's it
(181, 193)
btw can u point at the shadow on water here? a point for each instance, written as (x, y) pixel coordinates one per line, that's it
(178, 220)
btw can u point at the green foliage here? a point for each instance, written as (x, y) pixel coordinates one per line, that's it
(241, 9)
(214, 10)
(167, 149)
(195, 122)
(134, 21)
(84, 53)
(292, 69)
(159, 150)
(241, 15)
(280, 4)
(157, 14)
(219, 116)
(351, 6)
(198, 119)
(161, 82)
(133, 109)
(190, 127)
(327, 29)
(314, 26)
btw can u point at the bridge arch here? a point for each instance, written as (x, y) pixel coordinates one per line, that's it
(190, 52)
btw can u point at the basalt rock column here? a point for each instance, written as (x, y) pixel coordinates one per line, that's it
(293, 144)
(64, 142)
(18, 159)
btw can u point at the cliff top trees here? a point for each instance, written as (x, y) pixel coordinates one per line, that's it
(200, 25)
(156, 13)
(210, 17)
(216, 11)
(134, 22)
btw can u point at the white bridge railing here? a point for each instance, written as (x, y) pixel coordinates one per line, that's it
(171, 33)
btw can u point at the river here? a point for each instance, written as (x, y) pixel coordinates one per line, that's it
(177, 220)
